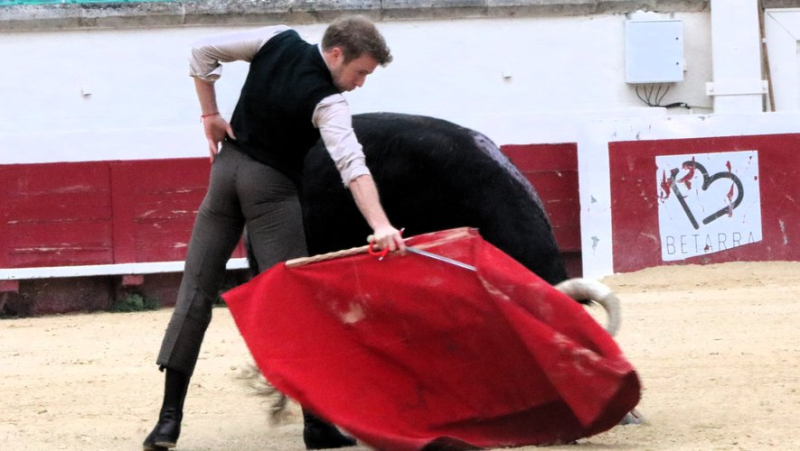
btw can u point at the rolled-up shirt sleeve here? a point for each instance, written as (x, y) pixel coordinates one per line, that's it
(208, 53)
(332, 117)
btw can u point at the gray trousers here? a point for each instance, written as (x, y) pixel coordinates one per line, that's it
(241, 192)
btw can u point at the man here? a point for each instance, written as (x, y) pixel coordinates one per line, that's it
(291, 97)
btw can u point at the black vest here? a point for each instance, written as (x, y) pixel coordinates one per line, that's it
(272, 121)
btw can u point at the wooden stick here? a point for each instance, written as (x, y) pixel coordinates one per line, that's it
(329, 256)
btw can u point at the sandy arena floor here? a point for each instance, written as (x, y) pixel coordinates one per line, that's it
(717, 349)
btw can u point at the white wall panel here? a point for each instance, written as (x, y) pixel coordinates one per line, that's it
(558, 72)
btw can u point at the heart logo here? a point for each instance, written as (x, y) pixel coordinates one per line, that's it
(691, 167)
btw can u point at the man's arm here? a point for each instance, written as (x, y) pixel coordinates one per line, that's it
(208, 53)
(366, 196)
(215, 126)
(332, 117)
(205, 68)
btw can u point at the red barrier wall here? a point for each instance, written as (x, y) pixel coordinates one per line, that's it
(55, 214)
(553, 170)
(93, 213)
(90, 213)
(635, 223)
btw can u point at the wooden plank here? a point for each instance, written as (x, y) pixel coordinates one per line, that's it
(56, 214)
(123, 195)
(568, 237)
(563, 212)
(553, 170)
(154, 210)
(554, 185)
(59, 244)
(98, 213)
(5, 242)
(59, 207)
(543, 157)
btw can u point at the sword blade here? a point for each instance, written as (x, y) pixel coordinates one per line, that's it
(440, 258)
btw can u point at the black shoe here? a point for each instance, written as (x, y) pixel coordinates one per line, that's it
(168, 429)
(150, 443)
(164, 435)
(319, 434)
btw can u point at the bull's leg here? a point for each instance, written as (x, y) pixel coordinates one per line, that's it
(319, 434)
(165, 434)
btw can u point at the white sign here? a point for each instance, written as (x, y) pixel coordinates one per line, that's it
(708, 202)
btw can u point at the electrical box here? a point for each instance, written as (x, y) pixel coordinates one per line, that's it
(653, 51)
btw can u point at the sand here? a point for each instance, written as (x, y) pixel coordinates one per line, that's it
(717, 348)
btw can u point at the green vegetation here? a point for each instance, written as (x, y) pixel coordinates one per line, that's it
(134, 302)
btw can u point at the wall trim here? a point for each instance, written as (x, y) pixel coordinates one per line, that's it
(247, 12)
(104, 270)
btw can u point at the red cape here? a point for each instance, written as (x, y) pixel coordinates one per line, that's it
(408, 351)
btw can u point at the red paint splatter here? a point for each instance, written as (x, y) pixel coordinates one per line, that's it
(728, 165)
(687, 179)
(730, 201)
(666, 186)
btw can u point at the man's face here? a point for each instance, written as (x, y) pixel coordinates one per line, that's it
(351, 75)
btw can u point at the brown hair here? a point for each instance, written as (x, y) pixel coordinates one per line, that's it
(356, 35)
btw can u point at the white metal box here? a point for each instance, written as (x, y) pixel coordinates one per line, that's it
(653, 51)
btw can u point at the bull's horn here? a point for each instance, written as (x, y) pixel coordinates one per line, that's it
(592, 290)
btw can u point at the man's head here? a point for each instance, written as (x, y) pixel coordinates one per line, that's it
(353, 48)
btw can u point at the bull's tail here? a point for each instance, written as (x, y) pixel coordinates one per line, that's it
(592, 290)
(278, 402)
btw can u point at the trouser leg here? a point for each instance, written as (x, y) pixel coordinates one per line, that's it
(216, 232)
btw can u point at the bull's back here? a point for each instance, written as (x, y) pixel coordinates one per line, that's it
(432, 175)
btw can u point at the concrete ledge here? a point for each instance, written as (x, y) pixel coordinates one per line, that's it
(245, 12)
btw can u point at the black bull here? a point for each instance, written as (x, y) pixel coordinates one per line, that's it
(431, 175)
(434, 175)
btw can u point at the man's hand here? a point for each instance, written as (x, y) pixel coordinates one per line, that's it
(216, 128)
(214, 125)
(387, 237)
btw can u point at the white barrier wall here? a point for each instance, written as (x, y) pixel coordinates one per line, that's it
(125, 94)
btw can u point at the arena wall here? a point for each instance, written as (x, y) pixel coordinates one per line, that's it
(80, 235)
